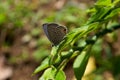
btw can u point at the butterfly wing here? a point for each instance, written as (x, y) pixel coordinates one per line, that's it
(54, 32)
(45, 29)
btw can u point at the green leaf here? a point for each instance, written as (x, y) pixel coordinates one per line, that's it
(92, 27)
(80, 63)
(113, 13)
(99, 15)
(85, 30)
(54, 55)
(44, 65)
(116, 2)
(48, 74)
(104, 2)
(53, 74)
(60, 75)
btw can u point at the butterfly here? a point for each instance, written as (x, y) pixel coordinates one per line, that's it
(54, 32)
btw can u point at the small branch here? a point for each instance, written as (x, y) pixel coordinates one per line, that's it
(92, 40)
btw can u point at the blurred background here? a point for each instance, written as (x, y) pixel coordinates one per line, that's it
(23, 44)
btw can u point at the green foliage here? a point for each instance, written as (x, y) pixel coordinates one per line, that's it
(15, 15)
(51, 73)
(102, 14)
(20, 26)
(20, 34)
(80, 63)
(44, 65)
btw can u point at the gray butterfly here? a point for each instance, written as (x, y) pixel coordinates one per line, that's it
(54, 32)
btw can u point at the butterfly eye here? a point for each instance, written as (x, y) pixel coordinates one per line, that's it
(65, 30)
